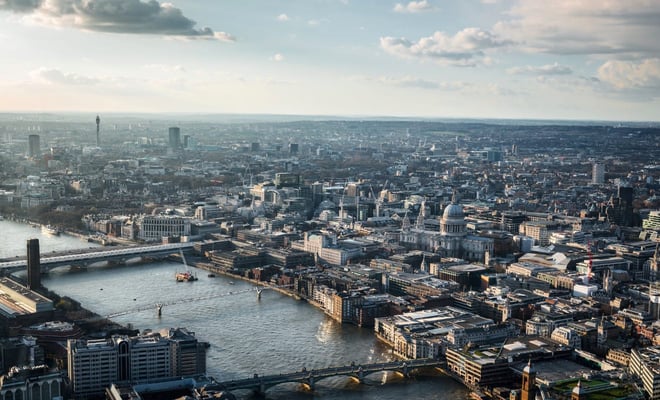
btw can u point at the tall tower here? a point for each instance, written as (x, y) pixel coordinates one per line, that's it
(598, 174)
(34, 149)
(33, 264)
(528, 383)
(98, 125)
(174, 138)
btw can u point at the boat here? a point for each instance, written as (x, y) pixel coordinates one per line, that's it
(50, 230)
(211, 275)
(186, 275)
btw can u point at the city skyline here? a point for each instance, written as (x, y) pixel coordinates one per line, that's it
(427, 58)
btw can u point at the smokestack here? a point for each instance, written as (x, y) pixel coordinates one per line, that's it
(33, 264)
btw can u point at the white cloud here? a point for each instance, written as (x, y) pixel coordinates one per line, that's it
(414, 7)
(585, 27)
(624, 75)
(465, 48)
(165, 68)
(414, 82)
(224, 37)
(283, 17)
(549, 69)
(55, 76)
(277, 57)
(313, 22)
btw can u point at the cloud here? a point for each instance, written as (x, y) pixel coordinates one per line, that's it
(465, 48)
(115, 16)
(165, 68)
(19, 6)
(413, 82)
(277, 57)
(55, 76)
(414, 7)
(549, 69)
(622, 75)
(588, 27)
(313, 22)
(283, 17)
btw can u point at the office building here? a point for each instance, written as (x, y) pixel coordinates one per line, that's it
(174, 138)
(93, 365)
(598, 174)
(645, 365)
(34, 148)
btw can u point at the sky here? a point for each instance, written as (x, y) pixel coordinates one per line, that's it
(509, 59)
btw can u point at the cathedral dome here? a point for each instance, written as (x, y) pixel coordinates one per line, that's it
(453, 211)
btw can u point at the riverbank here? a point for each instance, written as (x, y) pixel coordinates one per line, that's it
(216, 270)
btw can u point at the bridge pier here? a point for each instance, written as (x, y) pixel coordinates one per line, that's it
(259, 293)
(309, 382)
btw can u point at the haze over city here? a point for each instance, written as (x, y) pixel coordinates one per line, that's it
(563, 59)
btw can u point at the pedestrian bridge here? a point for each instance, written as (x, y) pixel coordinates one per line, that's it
(309, 378)
(90, 256)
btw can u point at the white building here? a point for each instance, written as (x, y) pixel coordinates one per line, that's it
(152, 228)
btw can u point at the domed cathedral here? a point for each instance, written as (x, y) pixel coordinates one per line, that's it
(452, 240)
(455, 240)
(453, 230)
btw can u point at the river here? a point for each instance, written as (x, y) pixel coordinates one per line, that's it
(247, 336)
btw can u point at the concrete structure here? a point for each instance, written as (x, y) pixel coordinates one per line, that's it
(598, 174)
(34, 148)
(19, 300)
(93, 365)
(152, 228)
(33, 264)
(174, 138)
(31, 383)
(645, 365)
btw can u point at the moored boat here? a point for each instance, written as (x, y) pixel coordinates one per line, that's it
(184, 276)
(50, 230)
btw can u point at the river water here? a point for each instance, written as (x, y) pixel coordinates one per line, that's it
(269, 336)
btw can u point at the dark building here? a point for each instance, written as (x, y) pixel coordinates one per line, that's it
(33, 264)
(619, 210)
(34, 148)
(293, 148)
(175, 137)
(284, 179)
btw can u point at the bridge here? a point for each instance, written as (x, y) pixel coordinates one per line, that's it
(159, 306)
(84, 259)
(309, 378)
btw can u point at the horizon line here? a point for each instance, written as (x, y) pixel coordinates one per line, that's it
(301, 117)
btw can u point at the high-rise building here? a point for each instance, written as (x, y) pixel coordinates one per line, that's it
(98, 128)
(33, 264)
(94, 365)
(293, 148)
(175, 138)
(598, 174)
(34, 148)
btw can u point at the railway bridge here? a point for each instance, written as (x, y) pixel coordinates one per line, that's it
(309, 378)
(90, 256)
